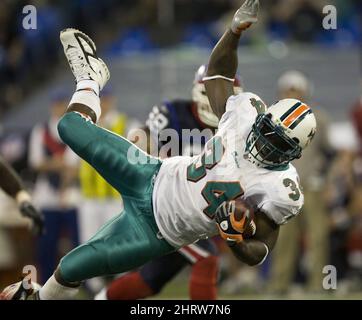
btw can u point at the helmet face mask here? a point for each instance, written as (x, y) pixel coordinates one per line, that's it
(269, 146)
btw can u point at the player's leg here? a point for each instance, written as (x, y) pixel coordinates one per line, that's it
(124, 243)
(47, 243)
(205, 267)
(153, 276)
(120, 162)
(95, 213)
(109, 154)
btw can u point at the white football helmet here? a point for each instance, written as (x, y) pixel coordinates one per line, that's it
(204, 111)
(279, 135)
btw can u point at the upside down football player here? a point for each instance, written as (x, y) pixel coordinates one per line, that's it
(202, 256)
(174, 202)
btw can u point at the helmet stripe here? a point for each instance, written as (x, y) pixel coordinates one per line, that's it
(296, 122)
(291, 110)
(291, 118)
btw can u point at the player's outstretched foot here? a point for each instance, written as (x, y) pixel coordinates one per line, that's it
(81, 54)
(19, 291)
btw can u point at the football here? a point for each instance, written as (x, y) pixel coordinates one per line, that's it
(242, 209)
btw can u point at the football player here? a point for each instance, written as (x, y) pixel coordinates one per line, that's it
(202, 256)
(173, 202)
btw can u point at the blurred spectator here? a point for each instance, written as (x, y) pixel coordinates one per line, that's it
(357, 119)
(314, 217)
(340, 191)
(55, 165)
(354, 239)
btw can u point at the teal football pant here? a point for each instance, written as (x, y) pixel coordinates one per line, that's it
(130, 239)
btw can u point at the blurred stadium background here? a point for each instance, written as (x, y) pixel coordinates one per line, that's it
(153, 48)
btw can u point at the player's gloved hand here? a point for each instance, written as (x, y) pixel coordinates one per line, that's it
(230, 229)
(28, 210)
(245, 16)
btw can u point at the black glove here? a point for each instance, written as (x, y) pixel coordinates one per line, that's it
(28, 210)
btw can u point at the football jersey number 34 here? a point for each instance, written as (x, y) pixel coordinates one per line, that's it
(214, 192)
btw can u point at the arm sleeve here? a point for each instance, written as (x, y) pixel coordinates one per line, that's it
(280, 214)
(9, 181)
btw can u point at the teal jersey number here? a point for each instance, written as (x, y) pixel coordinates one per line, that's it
(207, 160)
(295, 187)
(214, 192)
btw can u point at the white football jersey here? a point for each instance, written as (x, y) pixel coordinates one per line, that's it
(188, 190)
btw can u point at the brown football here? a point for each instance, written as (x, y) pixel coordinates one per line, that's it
(241, 208)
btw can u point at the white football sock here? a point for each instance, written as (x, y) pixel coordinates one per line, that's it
(88, 98)
(53, 290)
(86, 84)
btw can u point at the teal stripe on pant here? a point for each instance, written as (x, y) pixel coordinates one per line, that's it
(130, 239)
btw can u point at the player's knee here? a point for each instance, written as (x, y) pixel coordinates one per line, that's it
(61, 279)
(82, 263)
(65, 271)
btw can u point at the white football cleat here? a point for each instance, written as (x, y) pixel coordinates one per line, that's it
(81, 54)
(19, 291)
